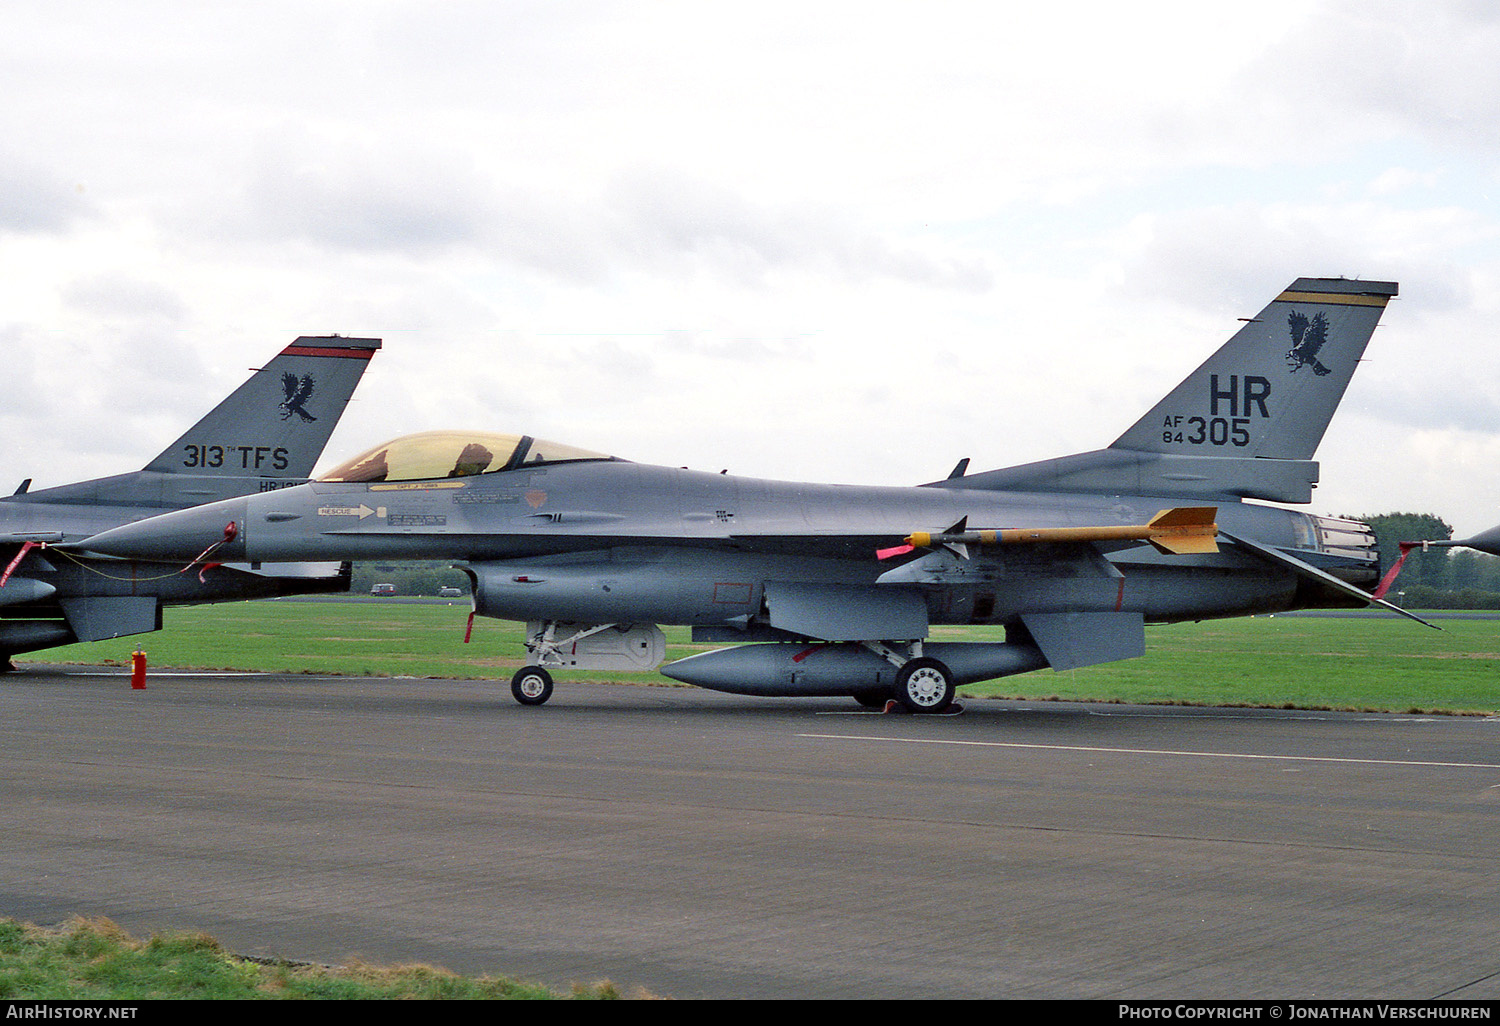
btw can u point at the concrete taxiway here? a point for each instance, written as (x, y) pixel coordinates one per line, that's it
(703, 845)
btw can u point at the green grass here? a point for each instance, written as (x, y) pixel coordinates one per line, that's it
(1305, 662)
(1294, 661)
(93, 959)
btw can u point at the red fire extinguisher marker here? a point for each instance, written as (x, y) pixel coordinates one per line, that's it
(138, 671)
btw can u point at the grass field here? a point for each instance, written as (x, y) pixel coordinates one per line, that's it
(93, 960)
(1306, 662)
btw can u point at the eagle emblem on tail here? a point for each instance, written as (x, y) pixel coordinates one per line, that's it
(298, 391)
(1308, 337)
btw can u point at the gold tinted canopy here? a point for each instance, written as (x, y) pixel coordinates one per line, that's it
(442, 454)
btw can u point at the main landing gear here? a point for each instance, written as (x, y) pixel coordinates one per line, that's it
(924, 686)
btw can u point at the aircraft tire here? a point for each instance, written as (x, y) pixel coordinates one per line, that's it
(531, 685)
(924, 686)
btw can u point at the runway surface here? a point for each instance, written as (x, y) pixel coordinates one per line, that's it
(705, 845)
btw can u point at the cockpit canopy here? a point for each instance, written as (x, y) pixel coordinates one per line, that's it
(439, 454)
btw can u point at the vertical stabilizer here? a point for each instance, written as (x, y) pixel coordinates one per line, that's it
(1271, 390)
(276, 424)
(1244, 425)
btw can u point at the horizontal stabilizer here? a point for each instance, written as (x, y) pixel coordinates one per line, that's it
(1312, 573)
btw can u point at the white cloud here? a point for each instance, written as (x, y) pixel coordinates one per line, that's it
(35, 200)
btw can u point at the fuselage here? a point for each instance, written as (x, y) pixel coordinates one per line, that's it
(607, 540)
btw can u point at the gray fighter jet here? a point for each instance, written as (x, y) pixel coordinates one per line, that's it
(833, 590)
(265, 436)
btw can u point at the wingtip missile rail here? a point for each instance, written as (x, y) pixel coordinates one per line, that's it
(1179, 531)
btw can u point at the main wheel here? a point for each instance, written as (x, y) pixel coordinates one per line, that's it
(531, 685)
(924, 686)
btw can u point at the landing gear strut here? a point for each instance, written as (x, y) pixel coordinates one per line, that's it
(532, 685)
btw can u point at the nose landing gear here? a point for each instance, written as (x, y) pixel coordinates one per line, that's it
(531, 685)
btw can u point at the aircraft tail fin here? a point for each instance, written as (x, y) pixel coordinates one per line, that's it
(1270, 391)
(1244, 425)
(276, 424)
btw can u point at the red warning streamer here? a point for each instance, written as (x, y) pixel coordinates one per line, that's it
(25, 548)
(231, 531)
(1390, 575)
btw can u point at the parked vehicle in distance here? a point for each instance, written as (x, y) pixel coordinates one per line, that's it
(383, 589)
(450, 593)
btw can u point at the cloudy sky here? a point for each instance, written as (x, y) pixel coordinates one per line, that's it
(811, 241)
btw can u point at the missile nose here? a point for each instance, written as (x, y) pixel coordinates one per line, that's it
(183, 534)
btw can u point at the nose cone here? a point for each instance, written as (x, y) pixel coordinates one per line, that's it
(184, 534)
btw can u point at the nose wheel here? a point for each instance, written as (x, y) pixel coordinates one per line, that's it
(531, 685)
(924, 686)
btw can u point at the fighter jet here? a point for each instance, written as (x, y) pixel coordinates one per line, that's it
(265, 436)
(833, 590)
